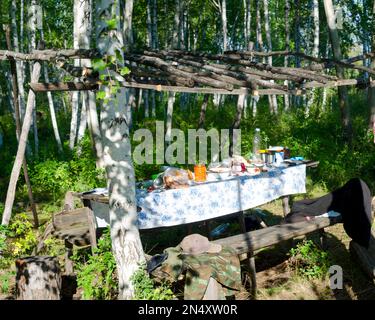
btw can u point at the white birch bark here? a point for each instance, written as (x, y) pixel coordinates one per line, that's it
(224, 24)
(32, 27)
(126, 243)
(335, 43)
(168, 131)
(82, 123)
(19, 64)
(21, 148)
(51, 105)
(272, 98)
(315, 51)
(145, 99)
(287, 48)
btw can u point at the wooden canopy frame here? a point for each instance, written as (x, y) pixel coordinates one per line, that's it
(233, 73)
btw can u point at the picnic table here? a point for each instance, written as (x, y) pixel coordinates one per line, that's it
(206, 201)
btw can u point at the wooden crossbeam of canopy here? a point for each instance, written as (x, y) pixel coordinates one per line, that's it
(80, 86)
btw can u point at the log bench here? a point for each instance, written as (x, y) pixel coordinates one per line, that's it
(249, 242)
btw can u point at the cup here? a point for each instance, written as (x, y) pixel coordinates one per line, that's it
(200, 173)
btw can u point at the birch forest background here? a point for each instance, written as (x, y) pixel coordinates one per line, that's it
(64, 147)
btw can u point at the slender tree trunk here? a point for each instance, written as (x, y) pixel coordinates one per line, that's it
(224, 24)
(155, 37)
(176, 40)
(51, 106)
(19, 64)
(237, 121)
(33, 20)
(126, 243)
(287, 48)
(153, 104)
(18, 128)
(21, 148)
(202, 116)
(272, 98)
(82, 124)
(145, 99)
(168, 131)
(371, 91)
(78, 20)
(315, 51)
(342, 91)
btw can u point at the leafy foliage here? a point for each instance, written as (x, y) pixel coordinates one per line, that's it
(146, 289)
(96, 274)
(310, 261)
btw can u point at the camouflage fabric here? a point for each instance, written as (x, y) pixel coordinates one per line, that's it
(224, 267)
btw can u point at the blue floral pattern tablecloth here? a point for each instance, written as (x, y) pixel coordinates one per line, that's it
(214, 199)
(210, 200)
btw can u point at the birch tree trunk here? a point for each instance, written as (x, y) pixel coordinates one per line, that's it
(19, 64)
(21, 148)
(315, 51)
(202, 116)
(145, 99)
(33, 20)
(78, 19)
(126, 243)
(371, 91)
(82, 124)
(287, 48)
(342, 91)
(176, 40)
(272, 98)
(224, 24)
(51, 105)
(237, 122)
(258, 46)
(168, 131)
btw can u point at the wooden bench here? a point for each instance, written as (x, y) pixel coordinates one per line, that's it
(249, 242)
(74, 226)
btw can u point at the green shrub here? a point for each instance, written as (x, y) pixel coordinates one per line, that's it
(146, 289)
(22, 238)
(309, 261)
(96, 274)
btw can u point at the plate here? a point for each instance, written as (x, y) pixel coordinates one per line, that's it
(219, 170)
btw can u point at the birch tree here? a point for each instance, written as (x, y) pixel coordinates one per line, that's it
(126, 243)
(272, 98)
(19, 64)
(371, 92)
(33, 24)
(315, 50)
(51, 105)
(287, 48)
(342, 91)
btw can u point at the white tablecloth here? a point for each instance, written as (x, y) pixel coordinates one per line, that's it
(212, 199)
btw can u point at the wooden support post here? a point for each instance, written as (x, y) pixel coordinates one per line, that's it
(69, 201)
(286, 207)
(250, 261)
(68, 262)
(38, 278)
(13, 70)
(92, 229)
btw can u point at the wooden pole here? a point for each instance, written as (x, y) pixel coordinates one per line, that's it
(21, 148)
(18, 126)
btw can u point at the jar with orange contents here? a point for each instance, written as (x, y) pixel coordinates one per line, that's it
(200, 173)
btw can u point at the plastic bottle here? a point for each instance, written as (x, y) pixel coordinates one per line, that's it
(257, 140)
(219, 230)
